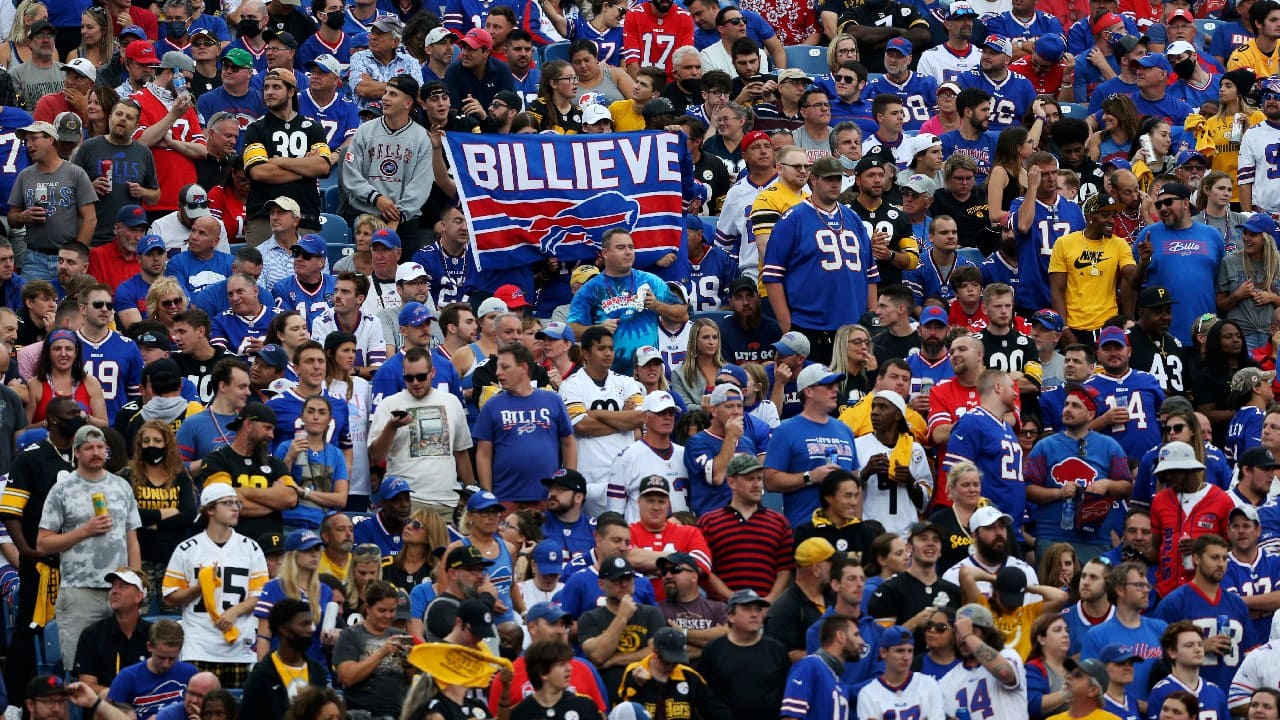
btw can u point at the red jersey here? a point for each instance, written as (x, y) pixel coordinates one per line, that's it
(957, 316)
(108, 267)
(1143, 12)
(1067, 11)
(1047, 84)
(581, 682)
(229, 210)
(1263, 356)
(673, 538)
(175, 169)
(651, 40)
(1169, 524)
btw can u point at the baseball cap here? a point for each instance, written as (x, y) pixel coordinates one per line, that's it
(933, 313)
(737, 372)
(549, 611)
(595, 113)
(1092, 667)
(139, 51)
(1115, 653)
(466, 556)
(273, 355)
(213, 492)
(1113, 334)
(326, 63)
(490, 306)
(1099, 202)
(388, 24)
(1126, 44)
(922, 184)
(568, 479)
(555, 331)
(288, 204)
(1051, 47)
(743, 463)
(1248, 378)
(988, 516)
(816, 374)
(283, 36)
(658, 106)
(978, 615)
(899, 45)
(147, 243)
(385, 237)
(311, 244)
(1155, 296)
(253, 411)
(132, 216)
(616, 568)
(174, 60)
(194, 200)
(658, 401)
(752, 137)
(1259, 223)
(69, 127)
(583, 273)
(483, 500)
(646, 354)
(477, 38)
(813, 551)
(511, 296)
(404, 610)
(39, 126)
(950, 85)
(1049, 320)
(163, 375)
(654, 484)
(44, 686)
(415, 314)
(894, 399)
(405, 84)
(1117, 164)
(1250, 512)
(1153, 60)
(410, 271)
(792, 74)
(741, 283)
(128, 576)
(827, 166)
(549, 557)
(961, 10)
(925, 526)
(1010, 587)
(477, 616)
(82, 66)
(896, 635)
(1259, 457)
(747, 597)
(1177, 456)
(1186, 157)
(723, 393)
(238, 57)
(1180, 14)
(669, 645)
(300, 540)
(999, 44)
(437, 35)
(134, 31)
(792, 343)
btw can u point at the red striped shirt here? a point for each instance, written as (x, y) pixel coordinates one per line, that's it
(748, 552)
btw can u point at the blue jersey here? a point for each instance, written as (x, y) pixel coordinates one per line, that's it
(1216, 472)
(1213, 701)
(288, 408)
(290, 295)
(1114, 86)
(148, 692)
(202, 433)
(1010, 99)
(1187, 602)
(1058, 461)
(371, 531)
(389, 379)
(1079, 624)
(1256, 578)
(799, 445)
(272, 593)
(919, 97)
(194, 274)
(925, 281)
(1188, 260)
(608, 42)
(340, 118)
(1126, 709)
(1006, 25)
(1169, 108)
(709, 280)
(164, 45)
(699, 454)
(246, 108)
(1243, 432)
(986, 441)
(609, 298)
(996, 269)
(1139, 392)
(213, 298)
(982, 150)
(937, 371)
(462, 15)
(1080, 37)
(1142, 641)
(1195, 97)
(526, 87)
(816, 256)
(581, 592)
(315, 46)
(131, 293)
(231, 330)
(327, 466)
(815, 692)
(1035, 247)
(117, 364)
(12, 151)
(1228, 36)
(577, 541)
(1088, 77)
(449, 275)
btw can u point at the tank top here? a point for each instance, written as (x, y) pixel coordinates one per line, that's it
(79, 393)
(14, 59)
(502, 573)
(606, 87)
(478, 358)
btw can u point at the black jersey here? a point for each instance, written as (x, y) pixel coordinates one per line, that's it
(570, 707)
(271, 137)
(1007, 352)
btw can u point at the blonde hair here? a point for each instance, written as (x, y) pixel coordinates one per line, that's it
(24, 18)
(437, 535)
(353, 593)
(840, 355)
(958, 471)
(689, 366)
(1270, 263)
(160, 288)
(759, 378)
(833, 60)
(289, 577)
(374, 222)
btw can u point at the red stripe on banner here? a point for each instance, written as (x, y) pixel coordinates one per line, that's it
(664, 210)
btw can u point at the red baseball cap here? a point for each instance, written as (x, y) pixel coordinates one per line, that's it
(1181, 15)
(753, 137)
(512, 296)
(142, 51)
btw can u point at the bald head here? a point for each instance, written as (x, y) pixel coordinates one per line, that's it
(200, 684)
(1124, 186)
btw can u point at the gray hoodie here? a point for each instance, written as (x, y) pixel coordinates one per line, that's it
(397, 164)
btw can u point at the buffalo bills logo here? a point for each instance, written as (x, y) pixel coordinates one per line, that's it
(389, 167)
(586, 222)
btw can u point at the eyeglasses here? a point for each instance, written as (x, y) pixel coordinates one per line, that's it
(1139, 585)
(818, 105)
(1167, 202)
(171, 302)
(846, 51)
(801, 167)
(846, 78)
(859, 342)
(1029, 432)
(569, 78)
(1175, 428)
(674, 570)
(499, 105)
(300, 253)
(102, 305)
(414, 525)
(504, 525)
(417, 377)
(230, 504)
(937, 627)
(734, 21)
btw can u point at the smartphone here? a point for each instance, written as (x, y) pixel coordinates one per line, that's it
(397, 414)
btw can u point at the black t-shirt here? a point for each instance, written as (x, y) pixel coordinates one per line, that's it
(1164, 358)
(790, 617)
(33, 475)
(635, 636)
(740, 345)
(853, 539)
(955, 542)
(891, 219)
(570, 707)
(902, 596)
(199, 371)
(887, 345)
(712, 172)
(470, 709)
(104, 651)
(271, 137)
(972, 218)
(887, 14)
(225, 465)
(1008, 352)
(201, 84)
(749, 680)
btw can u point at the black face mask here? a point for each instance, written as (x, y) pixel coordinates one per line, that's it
(69, 426)
(335, 20)
(300, 643)
(153, 455)
(693, 86)
(249, 28)
(1185, 68)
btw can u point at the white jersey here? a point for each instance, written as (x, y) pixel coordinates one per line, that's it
(952, 575)
(371, 345)
(919, 698)
(985, 697)
(893, 508)
(733, 229)
(638, 462)
(942, 64)
(241, 574)
(1257, 167)
(382, 295)
(1261, 668)
(595, 454)
(673, 345)
(358, 420)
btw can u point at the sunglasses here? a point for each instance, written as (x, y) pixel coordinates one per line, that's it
(367, 550)
(171, 302)
(734, 21)
(299, 252)
(674, 571)
(1167, 202)
(204, 43)
(1175, 427)
(802, 167)
(417, 377)
(414, 525)
(846, 78)
(937, 627)
(102, 305)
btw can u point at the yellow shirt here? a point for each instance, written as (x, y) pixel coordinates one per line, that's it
(293, 678)
(767, 209)
(1098, 714)
(1249, 56)
(626, 118)
(1016, 625)
(327, 566)
(1213, 140)
(858, 418)
(1093, 269)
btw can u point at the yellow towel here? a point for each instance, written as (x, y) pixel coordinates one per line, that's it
(46, 595)
(901, 455)
(457, 664)
(208, 577)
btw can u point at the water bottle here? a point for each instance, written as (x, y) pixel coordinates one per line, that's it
(1224, 625)
(179, 83)
(832, 457)
(303, 461)
(1122, 401)
(1188, 563)
(1068, 519)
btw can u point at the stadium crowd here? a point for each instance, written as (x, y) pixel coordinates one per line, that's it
(956, 400)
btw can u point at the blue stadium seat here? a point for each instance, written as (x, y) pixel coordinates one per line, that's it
(709, 226)
(48, 649)
(810, 58)
(334, 230)
(555, 51)
(1074, 110)
(332, 195)
(1206, 28)
(973, 255)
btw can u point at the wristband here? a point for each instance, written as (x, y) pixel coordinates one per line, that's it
(93, 709)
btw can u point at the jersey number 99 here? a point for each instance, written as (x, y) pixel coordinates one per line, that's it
(839, 250)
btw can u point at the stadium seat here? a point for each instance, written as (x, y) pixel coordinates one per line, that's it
(1206, 28)
(48, 649)
(334, 230)
(973, 255)
(1074, 110)
(809, 58)
(872, 77)
(555, 51)
(709, 226)
(332, 195)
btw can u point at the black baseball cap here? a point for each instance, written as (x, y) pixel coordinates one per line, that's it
(478, 616)
(253, 411)
(1258, 457)
(1155, 297)
(467, 556)
(405, 84)
(568, 479)
(616, 568)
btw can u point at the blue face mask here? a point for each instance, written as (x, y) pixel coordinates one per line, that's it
(175, 28)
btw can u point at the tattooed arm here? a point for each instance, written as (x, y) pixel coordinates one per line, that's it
(991, 659)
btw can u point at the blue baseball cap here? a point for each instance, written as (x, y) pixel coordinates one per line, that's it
(359, 40)
(549, 557)
(302, 540)
(1187, 156)
(1049, 320)
(549, 611)
(415, 314)
(273, 355)
(933, 313)
(555, 331)
(899, 45)
(737, 372)
(1118, 164)
(1115, 653)
(134, 30)
(132, 216)
(694, 222)
(1051, 47)
(311, 244)
(150, 242)
(1154, 60)
(961, 10)
(999, 44)
(1113, 334)
(792, 343)
(482, 501)
(895, 635)
(392, 485)
(1259, 223)
(386, 237)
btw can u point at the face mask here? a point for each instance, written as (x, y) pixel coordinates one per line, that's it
(154, 455)
(335, 20)
(693, 86)
(1185, 68)
(70, 426)
(300, 643)
(847, 163)
(249, 27)
(175, 28)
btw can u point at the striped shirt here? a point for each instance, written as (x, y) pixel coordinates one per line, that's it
(748, 552)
